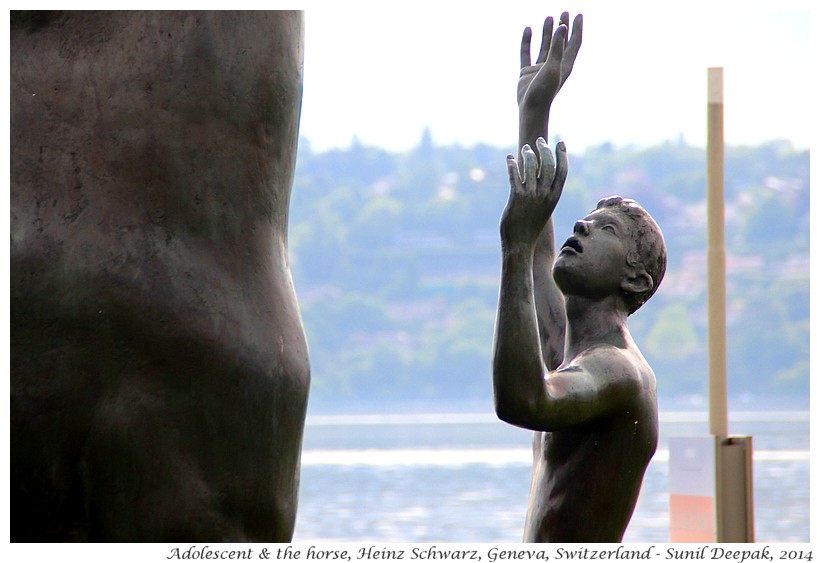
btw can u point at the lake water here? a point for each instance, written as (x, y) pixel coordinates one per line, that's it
(465, 478)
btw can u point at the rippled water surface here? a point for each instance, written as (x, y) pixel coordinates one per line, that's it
(465, 478)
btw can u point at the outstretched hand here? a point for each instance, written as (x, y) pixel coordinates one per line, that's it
(533, 194)
(538, 84)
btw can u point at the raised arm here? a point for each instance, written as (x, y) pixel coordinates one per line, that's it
(539, 83)
(537, 87)
(518, 367)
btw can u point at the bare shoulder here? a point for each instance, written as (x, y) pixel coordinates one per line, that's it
(602, 380)
(613, 365)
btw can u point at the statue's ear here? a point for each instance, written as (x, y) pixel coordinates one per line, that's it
(637, 282)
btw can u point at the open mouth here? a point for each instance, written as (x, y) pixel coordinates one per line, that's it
(573, 244)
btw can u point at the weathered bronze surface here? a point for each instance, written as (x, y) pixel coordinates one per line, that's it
(564, 362)
(159, 369)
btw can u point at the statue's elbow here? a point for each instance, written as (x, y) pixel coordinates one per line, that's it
(502, 409)
(512, 411)
(503, 400)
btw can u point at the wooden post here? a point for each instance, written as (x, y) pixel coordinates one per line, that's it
(716, 258)
(733, 455)
(711, 492)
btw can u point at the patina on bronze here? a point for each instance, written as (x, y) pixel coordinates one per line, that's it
(159, 368)
(564, 362)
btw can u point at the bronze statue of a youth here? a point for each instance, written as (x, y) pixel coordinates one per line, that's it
(564, 362)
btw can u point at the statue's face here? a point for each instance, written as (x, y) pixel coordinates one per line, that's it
(592, 262)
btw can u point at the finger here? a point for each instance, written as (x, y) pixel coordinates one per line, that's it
(546, 37)
(577, 32)
(561, 166)
(573, 45)
(525, 47)
(547, 170)
(530, 168)
(564, 19)
(512, 172)
(557, 47)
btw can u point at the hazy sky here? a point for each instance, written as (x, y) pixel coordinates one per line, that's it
(383, 71)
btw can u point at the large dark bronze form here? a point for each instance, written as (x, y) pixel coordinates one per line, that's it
(564, 363)
(159, 369)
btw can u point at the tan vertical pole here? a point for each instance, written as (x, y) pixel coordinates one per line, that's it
(690, 481)
(716, 258)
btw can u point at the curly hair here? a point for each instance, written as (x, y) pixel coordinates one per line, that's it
(648, 247)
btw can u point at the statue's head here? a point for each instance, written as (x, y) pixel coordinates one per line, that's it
(618, 247)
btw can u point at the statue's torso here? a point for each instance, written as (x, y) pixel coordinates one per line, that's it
(586, 479)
